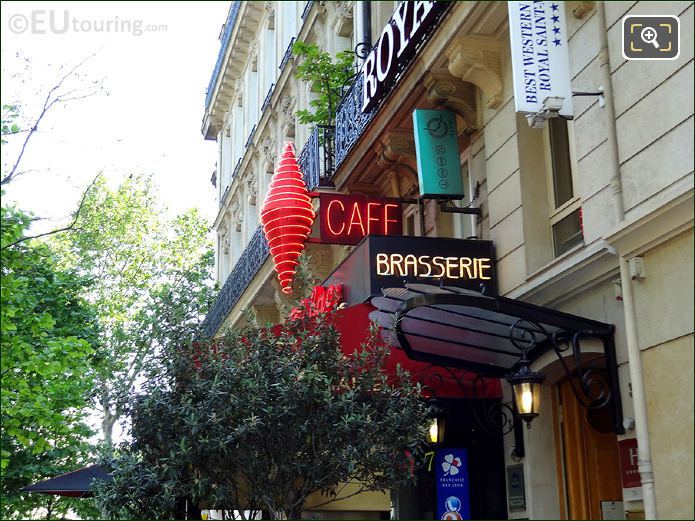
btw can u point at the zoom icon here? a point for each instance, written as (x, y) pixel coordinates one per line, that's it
(649, 37)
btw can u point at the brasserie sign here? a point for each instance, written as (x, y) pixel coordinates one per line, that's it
(389, 261)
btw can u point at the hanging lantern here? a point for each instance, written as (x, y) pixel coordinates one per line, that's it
(526, 386)
(287, 216)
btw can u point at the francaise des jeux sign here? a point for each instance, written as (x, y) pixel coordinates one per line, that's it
(540, 57)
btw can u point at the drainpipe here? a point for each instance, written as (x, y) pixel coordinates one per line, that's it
(634, 353)
(367, 23)
(612, 137)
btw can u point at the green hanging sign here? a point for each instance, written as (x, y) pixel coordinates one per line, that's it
(436, 147)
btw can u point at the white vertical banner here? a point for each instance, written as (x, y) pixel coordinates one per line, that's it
(540, 57)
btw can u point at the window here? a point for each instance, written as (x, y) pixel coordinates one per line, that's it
(411, 220)
(464, 225)
(565, 205)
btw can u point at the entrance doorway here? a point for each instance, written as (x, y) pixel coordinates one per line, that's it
(588, 461)
(486, 471)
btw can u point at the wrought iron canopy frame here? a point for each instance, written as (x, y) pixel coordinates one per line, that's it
(532, 329)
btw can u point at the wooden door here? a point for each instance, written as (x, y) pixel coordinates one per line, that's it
(589, 456)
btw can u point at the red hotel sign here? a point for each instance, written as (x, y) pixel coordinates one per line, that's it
(629, 471)
(347, 219)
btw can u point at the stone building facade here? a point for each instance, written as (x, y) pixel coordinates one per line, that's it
(592, 216)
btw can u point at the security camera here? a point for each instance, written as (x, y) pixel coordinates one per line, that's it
(536, 120)
(553, 105)
(551, 109)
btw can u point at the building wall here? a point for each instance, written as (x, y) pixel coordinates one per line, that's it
(664, 300)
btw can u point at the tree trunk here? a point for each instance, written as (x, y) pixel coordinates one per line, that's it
(107, 426)
(49, 509)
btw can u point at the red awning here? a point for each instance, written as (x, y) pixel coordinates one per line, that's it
(353, 325)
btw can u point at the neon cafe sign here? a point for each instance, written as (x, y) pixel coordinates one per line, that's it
(347, 219)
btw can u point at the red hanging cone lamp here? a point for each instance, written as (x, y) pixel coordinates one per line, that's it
(287, 216)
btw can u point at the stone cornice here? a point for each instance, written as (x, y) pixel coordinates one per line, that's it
(237, 55)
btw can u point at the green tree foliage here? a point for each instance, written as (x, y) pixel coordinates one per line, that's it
(10, 113)
(326, 76)
(47, 333)
(260, 421)
(151, 282)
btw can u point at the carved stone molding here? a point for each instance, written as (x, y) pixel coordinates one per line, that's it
(286, 105)
(286, 114)
(445, 90)
(397, 151)
(266, 314)
(478, 60)
(321, 261)
(344, 9)
(268, 154)
(251, 189)
(253, 50)
(224, 241)
(270, 10)
(583, 8)
(236, 217)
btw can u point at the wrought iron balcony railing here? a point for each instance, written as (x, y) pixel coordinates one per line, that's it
(236, 168)
(288, 54)
(250, 138)
(317, 157)
(351, 122)
(224, 195)
(226, 36)
(268, 96)
(307, 8)
(246, 268)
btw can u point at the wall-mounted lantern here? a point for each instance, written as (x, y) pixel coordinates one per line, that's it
(435, 434)
(526, 386)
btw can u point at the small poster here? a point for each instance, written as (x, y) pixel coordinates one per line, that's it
(451, 473)
(516, 491)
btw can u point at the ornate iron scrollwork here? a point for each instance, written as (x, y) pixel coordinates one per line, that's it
(288, 54)
(493, 417)
(251, 260)
(592, 386)
(316, 158)
(268, 97)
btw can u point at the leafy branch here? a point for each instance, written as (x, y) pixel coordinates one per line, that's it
(54, 96)
(326, 76)
(71, 226)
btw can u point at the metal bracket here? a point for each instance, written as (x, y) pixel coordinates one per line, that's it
(598, 92)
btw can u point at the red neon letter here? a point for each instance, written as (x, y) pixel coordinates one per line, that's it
(386, 217)
(353, 222)
(328, 217)
(370, 218)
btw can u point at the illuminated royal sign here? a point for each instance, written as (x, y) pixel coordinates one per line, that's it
(381, 262)
(347, 219)
(399, 40)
